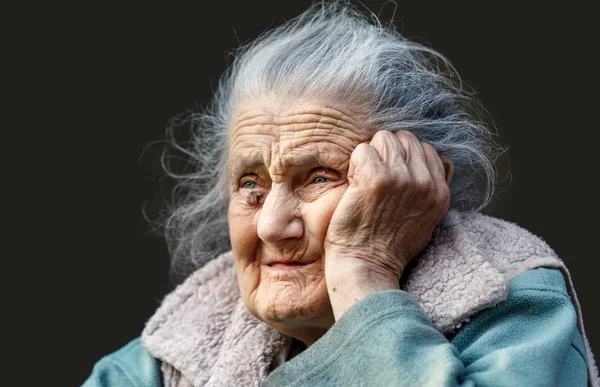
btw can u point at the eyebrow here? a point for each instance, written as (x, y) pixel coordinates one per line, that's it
(248, 163)
(256, 161)
(301, 161)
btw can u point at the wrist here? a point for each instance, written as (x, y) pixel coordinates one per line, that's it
(349, 280)
(343, 294)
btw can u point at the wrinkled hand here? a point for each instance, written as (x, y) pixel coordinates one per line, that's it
(397, 194)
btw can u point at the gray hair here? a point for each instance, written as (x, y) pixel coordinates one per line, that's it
(331, 50)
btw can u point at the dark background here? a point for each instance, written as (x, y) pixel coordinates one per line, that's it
(88, 87)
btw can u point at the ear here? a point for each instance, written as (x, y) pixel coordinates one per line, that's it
(448, 168)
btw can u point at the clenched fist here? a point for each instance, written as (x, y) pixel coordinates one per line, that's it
(398, 192)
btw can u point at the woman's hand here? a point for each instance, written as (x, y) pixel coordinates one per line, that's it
(398, 192)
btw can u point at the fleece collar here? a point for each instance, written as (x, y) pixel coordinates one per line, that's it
(203, 331)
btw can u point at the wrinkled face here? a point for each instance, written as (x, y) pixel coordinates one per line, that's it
(287, 171)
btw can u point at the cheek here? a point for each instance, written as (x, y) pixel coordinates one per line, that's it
(242, 228)
(317, 214)
(243, 236)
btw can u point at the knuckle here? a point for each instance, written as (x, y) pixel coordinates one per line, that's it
(405, 184)
(380, 181)
(402, 171)
(381, 137)
(424, 193)
(381, 133)
(360, 148)
(425, 187)
(401, 133)
(428, 148)
(444, 196)
(360, 153)
(406, 135)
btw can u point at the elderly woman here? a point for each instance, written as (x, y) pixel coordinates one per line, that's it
(333, 224)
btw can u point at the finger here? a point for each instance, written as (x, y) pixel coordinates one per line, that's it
(415, 156)
(434, 162)
(399, 134)
(389, 148)
(436, 166)
(363, 159)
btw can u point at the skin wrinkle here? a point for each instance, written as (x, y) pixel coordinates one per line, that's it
(332, 117)
(282, 150)
(299, 115)
(326, 124)
(260, 159)
(420, 87)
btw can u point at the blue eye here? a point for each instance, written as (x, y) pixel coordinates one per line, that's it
(249, 185)
(320, 179)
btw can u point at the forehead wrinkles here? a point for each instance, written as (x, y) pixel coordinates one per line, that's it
(327, 117)
(278, 138)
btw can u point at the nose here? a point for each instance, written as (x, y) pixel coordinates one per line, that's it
(278, 221)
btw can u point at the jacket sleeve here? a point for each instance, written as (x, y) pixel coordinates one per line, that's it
(129, 366)
(530, 339)
(108, 373)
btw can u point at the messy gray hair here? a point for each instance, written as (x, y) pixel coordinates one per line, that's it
(332, 50)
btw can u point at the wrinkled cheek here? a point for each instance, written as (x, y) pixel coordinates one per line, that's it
(249, 278)
(242, 232)
(244, 239)
(318, 214)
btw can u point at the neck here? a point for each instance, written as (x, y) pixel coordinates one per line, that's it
(308, 336)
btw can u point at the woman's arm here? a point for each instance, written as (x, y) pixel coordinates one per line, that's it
(131, 365)
(386, 339)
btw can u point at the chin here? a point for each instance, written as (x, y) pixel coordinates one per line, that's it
(294, 308)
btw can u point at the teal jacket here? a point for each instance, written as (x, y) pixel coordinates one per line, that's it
(530, 339)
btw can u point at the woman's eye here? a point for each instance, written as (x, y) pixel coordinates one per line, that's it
(249, 185)
(320, 179)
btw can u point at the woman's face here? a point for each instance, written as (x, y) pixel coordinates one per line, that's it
(287, 171)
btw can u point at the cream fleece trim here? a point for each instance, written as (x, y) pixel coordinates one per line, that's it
(206, 337)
